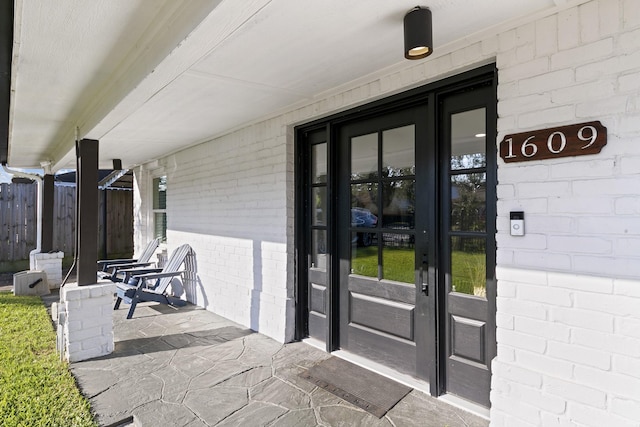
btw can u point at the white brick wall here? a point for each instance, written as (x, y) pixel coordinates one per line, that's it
(572, 349)
(228, 200)
(560, 326)
(568, 291)
(579, 211)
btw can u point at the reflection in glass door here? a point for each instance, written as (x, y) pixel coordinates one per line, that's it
(468, 213)
(383, 205)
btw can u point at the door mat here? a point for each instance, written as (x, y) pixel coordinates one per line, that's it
(367, 390)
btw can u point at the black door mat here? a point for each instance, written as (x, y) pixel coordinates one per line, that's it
(367, 390)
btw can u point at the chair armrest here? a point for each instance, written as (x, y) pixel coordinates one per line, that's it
(128, 273)
(106, 263)
(137, 271)
(120, 267)
(160, 275)
(144, 279)
(116, 261)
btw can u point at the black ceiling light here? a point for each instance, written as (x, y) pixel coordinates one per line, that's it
(418, 38)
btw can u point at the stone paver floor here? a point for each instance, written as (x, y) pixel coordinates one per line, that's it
(190, 367)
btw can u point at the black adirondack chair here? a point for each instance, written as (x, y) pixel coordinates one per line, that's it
(143, 284)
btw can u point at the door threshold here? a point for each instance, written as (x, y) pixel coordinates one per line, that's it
(314, 342)
(420, 385)
(465, 405)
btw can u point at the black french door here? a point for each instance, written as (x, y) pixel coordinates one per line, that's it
(385, 224)
(397, 215)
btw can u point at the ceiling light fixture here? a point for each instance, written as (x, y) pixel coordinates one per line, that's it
(418, 37)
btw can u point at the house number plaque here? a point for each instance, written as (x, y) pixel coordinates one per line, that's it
(563, 141)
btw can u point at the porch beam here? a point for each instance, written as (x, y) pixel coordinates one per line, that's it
(47, 213)
(87, 205)
(6, 49)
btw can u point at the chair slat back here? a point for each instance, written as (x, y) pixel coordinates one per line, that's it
(148, 252)
(173, 264)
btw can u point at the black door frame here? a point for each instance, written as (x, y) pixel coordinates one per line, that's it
(429, 94)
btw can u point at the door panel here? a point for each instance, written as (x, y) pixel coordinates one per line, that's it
(382, 314)
(317, 213)
(468, 252)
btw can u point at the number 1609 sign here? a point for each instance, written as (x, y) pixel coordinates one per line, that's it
(564, 141)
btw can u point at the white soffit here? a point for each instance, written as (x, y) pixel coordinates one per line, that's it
(156, 76)
(62, 59)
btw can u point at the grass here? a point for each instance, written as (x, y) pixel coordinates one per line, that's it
(398, 264)
(467, 269)
(36, 388)
(468, 273)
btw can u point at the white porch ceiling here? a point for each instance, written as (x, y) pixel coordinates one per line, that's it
(148, 77)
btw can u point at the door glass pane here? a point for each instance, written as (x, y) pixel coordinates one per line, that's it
(398, 151)
(468, 265)
(364, 156)
(364, 259)
(318, 249)
(319, 163)
(364, 205)
(398, 204)
(319, 203)
(468, 202)
(398, 257)
(468, 134)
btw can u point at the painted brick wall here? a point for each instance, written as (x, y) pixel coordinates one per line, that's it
(581, 212)
(568, 291)
(228, 200)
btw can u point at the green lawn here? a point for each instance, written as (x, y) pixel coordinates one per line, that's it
(398, 263)
(36, 388)
(468, 274)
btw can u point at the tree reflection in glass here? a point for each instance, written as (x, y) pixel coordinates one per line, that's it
(468, 202)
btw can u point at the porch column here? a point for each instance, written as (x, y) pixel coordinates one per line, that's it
(47, 213)
(85, 317)
(6, 49)
(87, 204)
(47, 260)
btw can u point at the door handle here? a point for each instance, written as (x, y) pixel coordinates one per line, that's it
(424, 269)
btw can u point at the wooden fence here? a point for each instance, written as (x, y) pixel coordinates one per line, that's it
(18, 204)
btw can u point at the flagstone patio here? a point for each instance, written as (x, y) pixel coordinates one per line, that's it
(190, 367)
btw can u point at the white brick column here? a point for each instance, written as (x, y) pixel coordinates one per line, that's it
(86, 320)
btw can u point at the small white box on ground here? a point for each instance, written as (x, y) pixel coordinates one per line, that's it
(30, 283)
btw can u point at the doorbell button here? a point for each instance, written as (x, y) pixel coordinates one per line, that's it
(517, 223)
